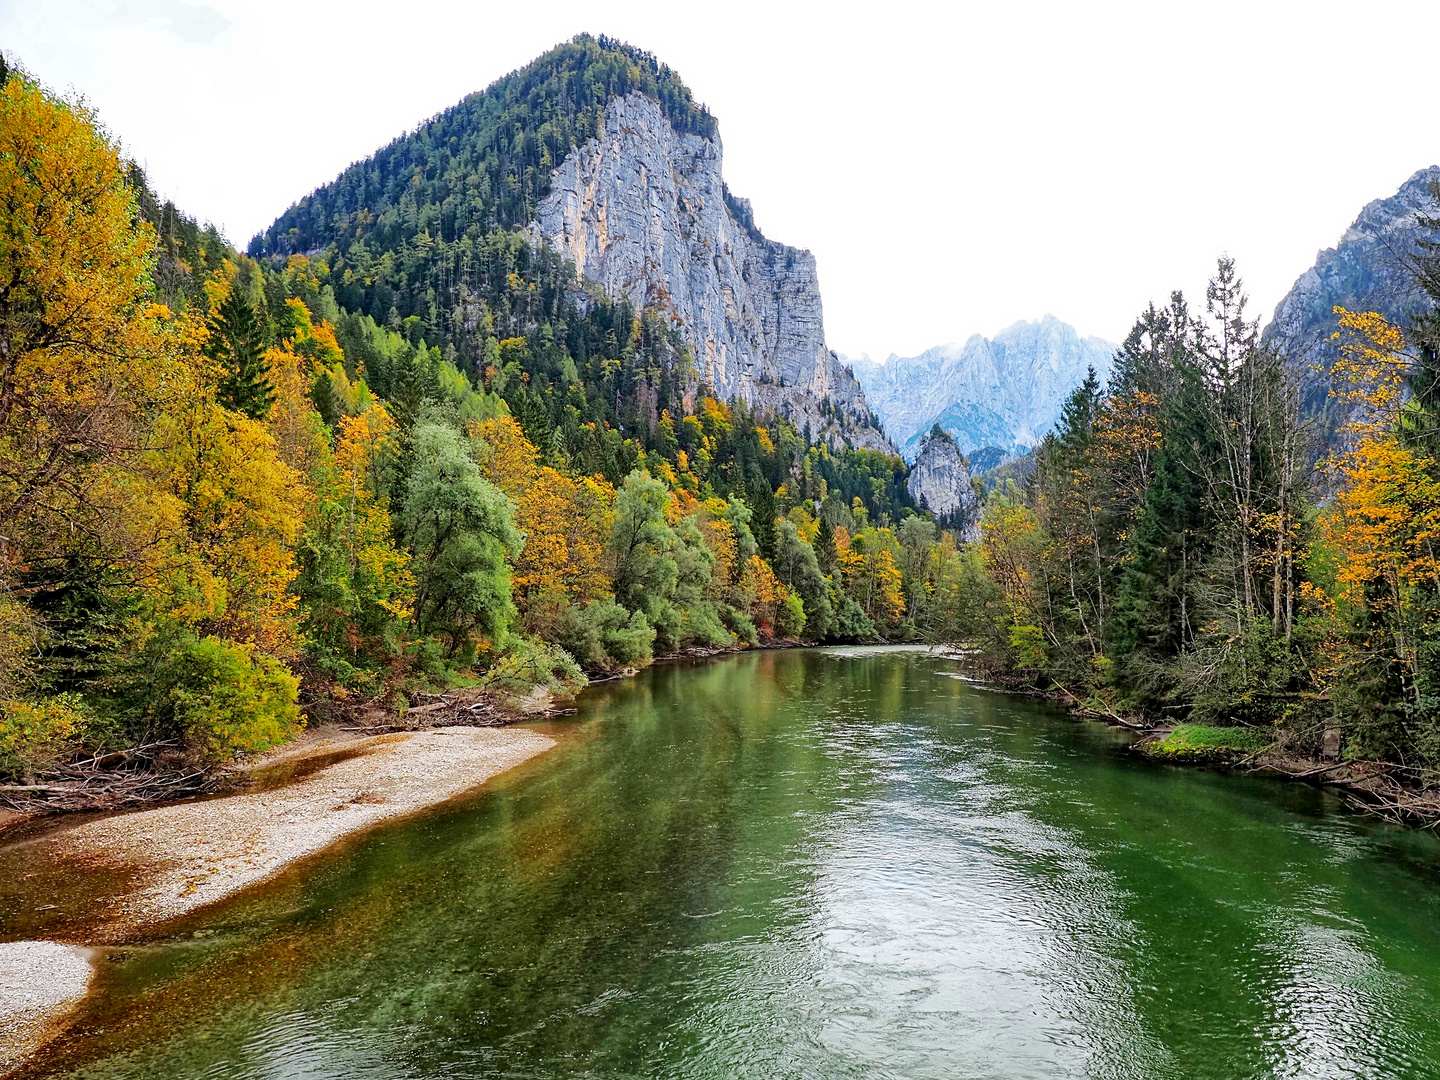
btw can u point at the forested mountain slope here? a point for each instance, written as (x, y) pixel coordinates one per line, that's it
(599, 153)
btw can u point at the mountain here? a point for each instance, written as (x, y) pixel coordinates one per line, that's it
(1004, 392)
(596, 153)
(643, 211)
(1364, 271)
(940, 481)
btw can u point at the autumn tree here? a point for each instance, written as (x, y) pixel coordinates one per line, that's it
(240, 510)
(565, 521)
(1377, 554)
(85, 358)
(355, 584)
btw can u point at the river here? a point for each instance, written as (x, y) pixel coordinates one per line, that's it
(815, 863)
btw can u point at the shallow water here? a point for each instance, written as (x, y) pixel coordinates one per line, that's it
(824, 863)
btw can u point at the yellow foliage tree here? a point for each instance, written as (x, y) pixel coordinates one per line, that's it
(84, 356)
(298, 430)
(886, 600)
(1010, 542)
(1382, 529)
(355, 581)
(239, 509)
(848, 562)
(507, 458)
(374, 558)
(565, 521)
(765, 591)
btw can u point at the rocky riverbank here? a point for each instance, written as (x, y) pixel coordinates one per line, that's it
(163, 863)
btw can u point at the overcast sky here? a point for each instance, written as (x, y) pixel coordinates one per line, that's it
(954, 166)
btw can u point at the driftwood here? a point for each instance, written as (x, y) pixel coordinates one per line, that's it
(109, 780)
(444, 712)
(1317, 772)
(1083, 708)
(1371, 788)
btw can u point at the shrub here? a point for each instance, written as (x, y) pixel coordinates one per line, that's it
(700, 625)
(1028, 645)
(790, 617)
(528, 664)
(851, 622)
(741, 625)
(224, 699)
(602, 636)
(34, 735)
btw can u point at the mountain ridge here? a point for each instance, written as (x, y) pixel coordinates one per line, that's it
(1003, 392)
(1365, 270)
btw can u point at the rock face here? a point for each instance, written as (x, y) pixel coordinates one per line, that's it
(1363, 272)
(940, 481)
(644, 213)
(1004, 392)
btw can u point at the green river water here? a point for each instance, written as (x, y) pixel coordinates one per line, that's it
(820, 863)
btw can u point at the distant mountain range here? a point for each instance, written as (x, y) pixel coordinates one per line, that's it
(993, 394)
(999, 396)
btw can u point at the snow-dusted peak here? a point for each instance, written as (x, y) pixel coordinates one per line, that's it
(1004, 391)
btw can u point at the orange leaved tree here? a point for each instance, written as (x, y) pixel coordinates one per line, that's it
(1378, 552)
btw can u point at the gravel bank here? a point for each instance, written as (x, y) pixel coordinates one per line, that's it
(40, 982)
(175, 859)
(192, 854)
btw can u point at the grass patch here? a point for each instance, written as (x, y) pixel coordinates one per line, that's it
(1197, 742)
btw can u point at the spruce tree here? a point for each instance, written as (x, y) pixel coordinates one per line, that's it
(323, 397)
(237, 344)
(825, 546)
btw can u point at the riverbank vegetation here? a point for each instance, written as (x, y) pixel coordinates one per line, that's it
(228, 501)
(1184, 551)
(1207, 743)
(418, 454)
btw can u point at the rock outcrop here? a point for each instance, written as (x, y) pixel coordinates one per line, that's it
(1365, 271)
(644, 213)
(940, 479)
(1004, 392)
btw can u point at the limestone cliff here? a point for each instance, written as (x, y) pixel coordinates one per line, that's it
(939, 481)
(1365, 271)
(644, 213)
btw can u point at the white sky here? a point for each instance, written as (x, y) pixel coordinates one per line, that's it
(954, 166)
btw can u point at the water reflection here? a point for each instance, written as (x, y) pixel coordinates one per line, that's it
(813, 864)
